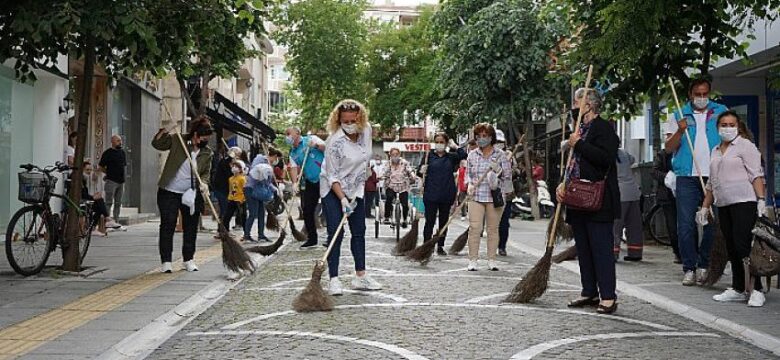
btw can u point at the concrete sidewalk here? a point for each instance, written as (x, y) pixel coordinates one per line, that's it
(126, 261)
(657, 279)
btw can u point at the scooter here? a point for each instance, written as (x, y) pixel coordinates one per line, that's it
(521, 205)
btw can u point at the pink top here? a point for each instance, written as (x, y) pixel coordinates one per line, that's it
(732, 173)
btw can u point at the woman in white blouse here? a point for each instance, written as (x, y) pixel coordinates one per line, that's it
(342, 180)
(736, 187)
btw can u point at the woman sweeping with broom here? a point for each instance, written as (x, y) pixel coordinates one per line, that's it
(342, 188)
(595, 154)
(439, 185)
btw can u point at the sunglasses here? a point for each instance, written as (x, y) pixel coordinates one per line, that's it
(349, 106)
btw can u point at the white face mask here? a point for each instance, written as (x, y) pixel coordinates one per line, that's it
(236, 170)
(440, 147)
(349, 128)
(728, 134)
(701, 102)
(500, 146)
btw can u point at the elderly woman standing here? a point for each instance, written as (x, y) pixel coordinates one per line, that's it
(485, 160)
(595, 154)
(398, 178)
(342, 188)
(736, 187)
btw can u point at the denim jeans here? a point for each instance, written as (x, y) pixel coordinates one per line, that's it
(357, 227)
(256, 211)
(689, 197)
(503, 227)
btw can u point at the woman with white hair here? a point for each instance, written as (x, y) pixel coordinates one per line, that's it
(342, 188)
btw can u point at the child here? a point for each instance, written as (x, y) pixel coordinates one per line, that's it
(236, 197)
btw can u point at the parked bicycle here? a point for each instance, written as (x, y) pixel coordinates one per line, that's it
(35, 230)
(654, 220)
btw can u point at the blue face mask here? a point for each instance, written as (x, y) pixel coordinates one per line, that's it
(289, 140)
(483, 141)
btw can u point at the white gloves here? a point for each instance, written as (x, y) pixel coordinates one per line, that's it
(471, 190)
(281, 187)
(702, 216)
(315, 141)
(496, 168)
(761, 208)
(453, 146)
(492, 180)
(204, 190)
(423, 169)
(296, 187)
(347, 207)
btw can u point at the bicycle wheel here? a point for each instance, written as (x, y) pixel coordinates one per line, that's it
(657, 226)
(28, 240)
(86, 226)
(397, 220)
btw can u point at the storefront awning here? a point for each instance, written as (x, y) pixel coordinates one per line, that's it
(229, 124)
(231, 110)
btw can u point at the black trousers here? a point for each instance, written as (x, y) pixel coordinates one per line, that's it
(169, 204)
(432, 211)
(670, 217)
(403, 198)
(369, 200)
(311, 197)
(234, 208)
(99, 209)
(736, 223)
(594, 242)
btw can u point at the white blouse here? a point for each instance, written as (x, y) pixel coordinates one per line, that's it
(346, 163)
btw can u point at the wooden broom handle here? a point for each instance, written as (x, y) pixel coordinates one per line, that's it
(687, 134)
(333, 238)
(200, 182)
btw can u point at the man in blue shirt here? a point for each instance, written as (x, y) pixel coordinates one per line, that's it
(700, 116)
(309, 180)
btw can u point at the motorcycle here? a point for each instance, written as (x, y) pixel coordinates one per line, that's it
(521, 205)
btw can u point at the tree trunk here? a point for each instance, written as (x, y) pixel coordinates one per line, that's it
(70, 248)
(528, 170)
(655, 124)
(188, 100)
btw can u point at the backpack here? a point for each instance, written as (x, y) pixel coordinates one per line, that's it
(262, 191)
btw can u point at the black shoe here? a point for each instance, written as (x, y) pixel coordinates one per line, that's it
(606, 310)
(578, 303)
(263, 238)
(325, 245)
(677, 260)
(632, 258)
(403, 225)
(309, 245)
(502, 252)
(440, 251)
(369, 216)
(386, 222)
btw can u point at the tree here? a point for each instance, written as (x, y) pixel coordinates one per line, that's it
(325, 40)
(400, 71)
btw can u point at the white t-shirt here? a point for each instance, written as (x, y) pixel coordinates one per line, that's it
(701, 148)
(184, 178)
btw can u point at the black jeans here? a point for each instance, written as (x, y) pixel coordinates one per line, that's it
(594, 241)
(736, 223)
(670, 218)
(311, 196)
(369, 203)
(503, 227)
(169, 204)
(234, 208)
(403, 198)
(432, 210)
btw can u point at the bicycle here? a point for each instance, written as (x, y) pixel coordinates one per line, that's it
(35, 230)
(654, 220)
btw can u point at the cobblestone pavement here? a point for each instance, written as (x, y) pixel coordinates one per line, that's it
(438, 311)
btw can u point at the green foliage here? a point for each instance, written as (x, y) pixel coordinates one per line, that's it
(325, 39)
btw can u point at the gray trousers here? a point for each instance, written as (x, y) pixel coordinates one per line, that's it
(631, 220)
(114, 192)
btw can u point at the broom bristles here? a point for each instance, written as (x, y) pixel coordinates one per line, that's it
(569, 254)
(563, 233)
(460, 242)
(313, 298)
(299, 236)
(719, 256)
(268, 250)
(271, 222)
(234, 257)
(422, 253)
(534, 284)
(408, 241)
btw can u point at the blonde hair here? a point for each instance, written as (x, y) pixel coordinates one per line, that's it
(334, 122)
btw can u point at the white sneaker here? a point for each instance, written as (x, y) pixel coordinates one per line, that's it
(233, 275)
(701, 275)
(472, 265)
(689, 279)
(757, 299)
(462, 218)
(190, 266)
(730, 295)
(365, 283)
(167, 267)
(112, 224)
(334, 287)
(492, 265)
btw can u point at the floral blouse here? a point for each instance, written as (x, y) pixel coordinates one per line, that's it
(346, 163)
(399, 177)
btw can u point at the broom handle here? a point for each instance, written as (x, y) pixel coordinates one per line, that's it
(687, 134)
(563, 138)
(305, 157)
(551, 239)
(200, 182)
(333, 238)
(468, 198)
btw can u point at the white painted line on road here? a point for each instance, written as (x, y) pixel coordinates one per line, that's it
(144, 341)
(346, 257)
(393, 297)
(538, 349)
(434, 275)
(376, 344)
(239, 324)
(757, 338)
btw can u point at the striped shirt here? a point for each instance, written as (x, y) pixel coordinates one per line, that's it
(478, 165)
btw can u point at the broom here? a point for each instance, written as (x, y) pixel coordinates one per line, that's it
(569, 254)
(313, 298)
(298, 235)
(409, 240)
(460, 242)
(234, 257)
(298, 181)
(564, 232)
(534, 283)
(422, 253)
(271, 222)
(267, 250)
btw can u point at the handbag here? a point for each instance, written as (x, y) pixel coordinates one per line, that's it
(584, 194)
(498, 197)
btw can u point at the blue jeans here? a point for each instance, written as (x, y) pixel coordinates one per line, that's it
(594, 253)
(689, 197)
(503, 228)
(331, 206)
(256, 211)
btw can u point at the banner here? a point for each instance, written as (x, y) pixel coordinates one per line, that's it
(407, 146)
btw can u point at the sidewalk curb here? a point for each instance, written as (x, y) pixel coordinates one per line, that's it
(143, 342)
(754, 337)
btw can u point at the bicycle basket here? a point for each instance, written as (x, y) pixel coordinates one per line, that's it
(34, 187)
